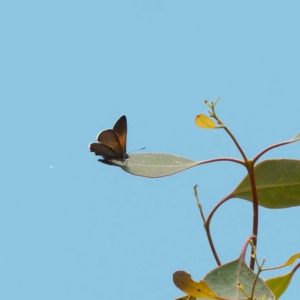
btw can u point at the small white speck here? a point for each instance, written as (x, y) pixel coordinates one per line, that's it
(51, 167)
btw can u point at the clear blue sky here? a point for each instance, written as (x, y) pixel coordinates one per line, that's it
(72, 228)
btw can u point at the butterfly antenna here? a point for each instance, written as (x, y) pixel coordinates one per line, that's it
(137, 150)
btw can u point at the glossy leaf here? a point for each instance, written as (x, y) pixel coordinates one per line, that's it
(224, 281)
(200, 289)
(155, 165)
(204, 122)
(277, 182)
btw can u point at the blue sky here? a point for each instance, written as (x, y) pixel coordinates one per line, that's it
(72, 228)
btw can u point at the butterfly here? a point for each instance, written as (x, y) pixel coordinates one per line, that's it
(112, 143)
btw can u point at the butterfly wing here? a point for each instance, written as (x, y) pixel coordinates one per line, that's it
(101, 149)
(110, 139)
(120, 129)
(112, 142)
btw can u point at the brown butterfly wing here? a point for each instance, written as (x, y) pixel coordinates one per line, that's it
(120, 129)
(110, 139)
(112, 142)
(100, 149)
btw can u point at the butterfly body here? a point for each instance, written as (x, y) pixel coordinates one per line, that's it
(112, 143)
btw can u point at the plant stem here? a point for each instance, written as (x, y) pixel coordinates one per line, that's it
(206, 226)
(250, 168)
(207, 229)
(214, 115)
(236, 143)
(245, 246)
(221, 159)
(295, 268)
(199, 203)
(270, 148)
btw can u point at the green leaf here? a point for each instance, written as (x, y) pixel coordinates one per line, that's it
(224, 281)
(155, 165)
(277, 183)
(278, 285)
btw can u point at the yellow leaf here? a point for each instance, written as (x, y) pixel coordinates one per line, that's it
(289, 262)
(278, 285)
(204, 122)
(184, 282)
